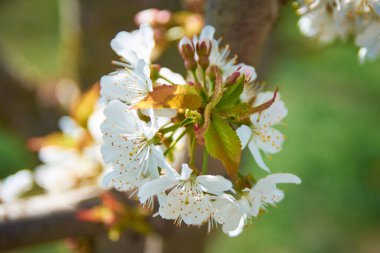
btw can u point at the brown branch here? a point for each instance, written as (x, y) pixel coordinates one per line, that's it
(53, 216)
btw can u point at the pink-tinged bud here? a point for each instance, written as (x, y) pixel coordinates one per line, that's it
(203, 51)
(249, 72)
(230, 80)
(187, 51)
(153, 17)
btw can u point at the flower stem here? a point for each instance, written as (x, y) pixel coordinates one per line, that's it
(174, 127)
(205, 161)
(162, 77)
(195, 76)
(193, 146)
(172, 145)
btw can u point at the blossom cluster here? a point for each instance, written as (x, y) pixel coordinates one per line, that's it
(328, 20)
(154, 115)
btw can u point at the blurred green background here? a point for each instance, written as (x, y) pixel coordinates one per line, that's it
(333, 140)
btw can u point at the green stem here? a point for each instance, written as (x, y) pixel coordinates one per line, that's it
(174, 127)
(204, 77)
(162, 77)
(172, 145)
(205, 161)
(192, 150)
(195, 76)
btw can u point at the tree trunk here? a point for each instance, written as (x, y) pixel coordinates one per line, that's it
(244, 24)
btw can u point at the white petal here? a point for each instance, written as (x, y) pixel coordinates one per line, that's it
(256, 204)
(107, 179)
(245, 134)
(269, 139)
(214, 184)
(271, 116)
(239, 229)
(284, 178)
(207, 33)
(155, 187)
(186, 171)
(171, 76)
(256, 154)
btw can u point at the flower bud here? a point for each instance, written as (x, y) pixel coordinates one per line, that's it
(245, 72)
(186, 49)
(154, 71)
(249, 72)
(203, 51)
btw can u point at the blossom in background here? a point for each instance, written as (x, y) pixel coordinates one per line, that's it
(14, 186)
(64, 169)
(260, 135)
(369, 42)
(74, 158)
(186, 200)
(327, 20)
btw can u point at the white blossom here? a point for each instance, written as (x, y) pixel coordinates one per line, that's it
(265, 192)
(126, 85)
(186, 200)
(13, 186)
(325, 22)
(261, 135)
(230, 213)
(129, 145)
(134, 46)
(66, 168)
(369, 42)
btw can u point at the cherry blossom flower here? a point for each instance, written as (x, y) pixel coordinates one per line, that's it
(130, 146)
(260, 135)
(186, 200)
(127, 86)
(265, 192)
(134, 46)
(230, 213)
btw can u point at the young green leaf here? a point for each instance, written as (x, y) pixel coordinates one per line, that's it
(241, 112)
(231, 95)
(223, 144)
(171, 96)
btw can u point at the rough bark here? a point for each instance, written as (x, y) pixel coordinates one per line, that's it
(243, 24)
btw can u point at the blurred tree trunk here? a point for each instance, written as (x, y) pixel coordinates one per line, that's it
(100, 21)
(21, 109)
(244, 24)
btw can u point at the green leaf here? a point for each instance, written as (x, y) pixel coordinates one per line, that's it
(223, 144)
(241, 112)
(231, 95)
(171, 96)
